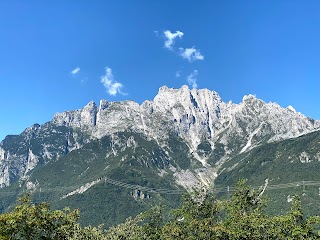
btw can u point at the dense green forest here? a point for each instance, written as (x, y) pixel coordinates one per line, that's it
(200, 216)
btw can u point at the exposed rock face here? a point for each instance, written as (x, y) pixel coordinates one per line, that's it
(198, 117)
(4, 178)
(36, 145)
(196, 114)
(192, 114)
(83, 118)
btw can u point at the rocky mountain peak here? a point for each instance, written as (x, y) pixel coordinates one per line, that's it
(193, 114)
(170, 97)
(91, 106)
(85, 117)
(252, 101)
(290, 108)
(198, 117)
(103, 104)
(249, 97)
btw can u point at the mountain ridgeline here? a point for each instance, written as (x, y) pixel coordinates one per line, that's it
(123, 157)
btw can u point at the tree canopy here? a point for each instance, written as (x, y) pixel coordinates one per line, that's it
(200, 216)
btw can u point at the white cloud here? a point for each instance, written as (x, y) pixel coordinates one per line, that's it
(178, 74)
(192, 79)
(113, 87)
(191, 54)
(75, 71)
(156, 32)
(170, 38)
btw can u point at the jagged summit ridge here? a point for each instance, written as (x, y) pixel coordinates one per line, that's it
(196, 116)
(192, 114)
(84, 117)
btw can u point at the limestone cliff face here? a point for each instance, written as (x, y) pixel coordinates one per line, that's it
(192, 114)
(196, 116)
(83, 118)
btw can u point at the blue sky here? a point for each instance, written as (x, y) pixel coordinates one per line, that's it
(59, 55)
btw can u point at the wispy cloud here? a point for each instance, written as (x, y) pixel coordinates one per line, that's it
(75, 71)
(192, 79)
(191, 54)
(111, 85)
(178, 74)
(170, 37)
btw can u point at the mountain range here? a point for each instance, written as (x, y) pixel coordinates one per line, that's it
(123, 157)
